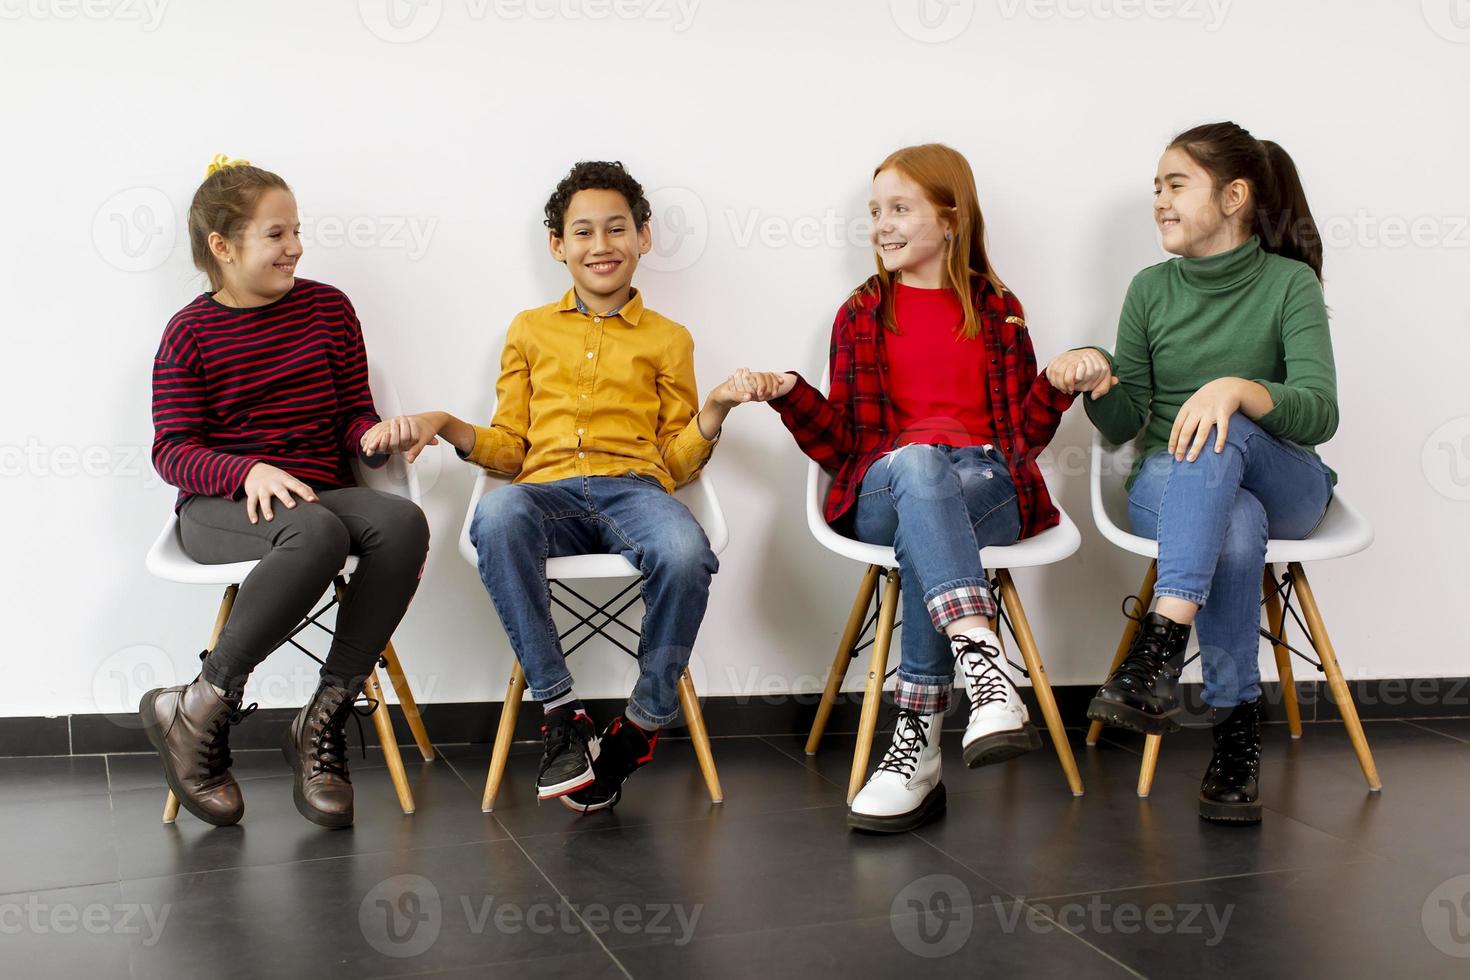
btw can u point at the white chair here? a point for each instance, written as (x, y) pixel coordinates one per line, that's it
(699, 496)
(1050, 546)
(167, 560)
(1343, 532)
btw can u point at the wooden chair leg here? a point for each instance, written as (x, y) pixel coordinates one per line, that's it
(694, 720)
(1275, 622)
(1145, 596)
(873, 692)
(843, 658)
(504, 735)
(388, 741)
(407, 703)
(1150, 764)
(1040, 686)
(1340, 693)
(226, 604)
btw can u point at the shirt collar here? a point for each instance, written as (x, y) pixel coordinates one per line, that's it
(630, 311)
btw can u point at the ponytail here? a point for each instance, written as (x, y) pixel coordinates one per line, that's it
(1282, 219)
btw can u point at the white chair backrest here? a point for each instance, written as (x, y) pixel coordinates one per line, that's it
(1110, 468)
(396, 476)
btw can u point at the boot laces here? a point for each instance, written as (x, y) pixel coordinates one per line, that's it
(329, 738)
(1147, 659)
(986, 680)
(910, 738)
(1238, 744)
(214, 753)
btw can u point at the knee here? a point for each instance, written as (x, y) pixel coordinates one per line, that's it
(318, 536)
(680, 554)
(499, 513)
(406, 529)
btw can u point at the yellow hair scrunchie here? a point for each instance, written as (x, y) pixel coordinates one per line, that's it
(222, 161)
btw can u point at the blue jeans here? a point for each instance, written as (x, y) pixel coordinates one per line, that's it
(1212, 518)
(937, 506)
(516, 528)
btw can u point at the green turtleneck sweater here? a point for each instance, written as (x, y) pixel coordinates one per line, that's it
(1245, 313)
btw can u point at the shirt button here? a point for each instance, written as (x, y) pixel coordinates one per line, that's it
(580, 431)
(581, 455)
(597, 319)
(589, 355)
(584, 396)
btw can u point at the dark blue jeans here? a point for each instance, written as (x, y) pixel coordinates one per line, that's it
(937, 506)
(516, 528)
(1212, 518)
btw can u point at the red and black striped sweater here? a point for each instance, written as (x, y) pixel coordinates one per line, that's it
(284, 384)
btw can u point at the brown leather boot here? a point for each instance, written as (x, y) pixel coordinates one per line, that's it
(315, 745)
(190, 728)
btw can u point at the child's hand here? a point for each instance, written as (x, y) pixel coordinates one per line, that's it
(1209, 408)
(1081, 370)
(265, 482)
(734, 390)
(407, 434)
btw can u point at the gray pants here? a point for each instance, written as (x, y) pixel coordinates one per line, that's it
(300, 552)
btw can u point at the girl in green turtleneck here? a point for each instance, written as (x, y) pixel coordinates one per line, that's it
(1224, 362)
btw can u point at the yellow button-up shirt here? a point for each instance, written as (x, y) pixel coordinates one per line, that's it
(582, 394)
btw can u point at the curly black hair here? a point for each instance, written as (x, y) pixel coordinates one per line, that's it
(598, 175)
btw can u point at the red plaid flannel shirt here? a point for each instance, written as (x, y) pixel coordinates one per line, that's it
(853, 425)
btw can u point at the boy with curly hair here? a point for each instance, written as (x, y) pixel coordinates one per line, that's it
(596, 421)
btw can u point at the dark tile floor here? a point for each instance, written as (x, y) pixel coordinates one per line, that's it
(1018, 879)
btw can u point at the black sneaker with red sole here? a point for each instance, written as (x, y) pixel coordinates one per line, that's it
(624, 748)
(569, 746)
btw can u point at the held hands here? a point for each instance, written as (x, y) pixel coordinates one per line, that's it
(1081, 370)
(407, 434)
(265, 483)
(753, 386)
(1210, 407)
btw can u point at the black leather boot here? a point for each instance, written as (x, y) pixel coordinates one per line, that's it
(190, 728)
(315, 745)
(1143, 693)
(1231, 792)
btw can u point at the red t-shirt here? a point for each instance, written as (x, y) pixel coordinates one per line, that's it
(936, 377)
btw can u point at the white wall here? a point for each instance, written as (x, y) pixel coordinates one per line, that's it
(759, 122)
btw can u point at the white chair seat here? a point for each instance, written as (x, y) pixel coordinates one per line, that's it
(1343, 531)
(168, 560)
(1049, 546)
(698, 495)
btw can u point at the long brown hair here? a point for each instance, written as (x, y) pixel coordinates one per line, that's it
(945, 177)
(224, 203)
(1282, 219)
